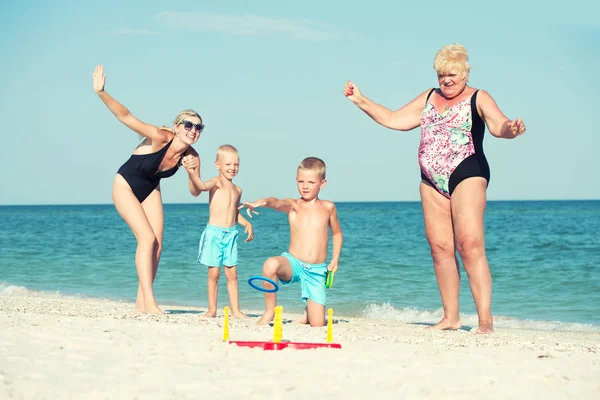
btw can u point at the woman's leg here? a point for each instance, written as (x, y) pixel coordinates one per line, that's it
(468, 207)
(153, 208)
(130, 209)
(440, 236)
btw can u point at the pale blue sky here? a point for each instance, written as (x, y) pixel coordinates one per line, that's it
(267, 77)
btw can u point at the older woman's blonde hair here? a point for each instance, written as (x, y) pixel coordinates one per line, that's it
(452, 57)
(181, 117)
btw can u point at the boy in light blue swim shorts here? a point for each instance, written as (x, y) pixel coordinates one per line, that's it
(311, 278)
(218, 246)
(218, 243)
(311, 220)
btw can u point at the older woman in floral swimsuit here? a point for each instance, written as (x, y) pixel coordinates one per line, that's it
(454, 174)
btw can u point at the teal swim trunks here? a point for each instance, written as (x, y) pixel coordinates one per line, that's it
(311, 278)
(218, 246)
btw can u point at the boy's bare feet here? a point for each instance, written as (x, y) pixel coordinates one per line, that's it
(446, 324)
(238, 315)
(303, 320)
(266, 317)
(210, 314)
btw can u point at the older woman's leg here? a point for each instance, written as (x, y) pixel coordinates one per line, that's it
(468, 207)
(438, 229)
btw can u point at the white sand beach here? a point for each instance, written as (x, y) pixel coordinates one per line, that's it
(55, 347)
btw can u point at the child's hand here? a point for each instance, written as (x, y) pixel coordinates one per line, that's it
(191, 163)
(251, 206)
(249, 231)
(333, 266)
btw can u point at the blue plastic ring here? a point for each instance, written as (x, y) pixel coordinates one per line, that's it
(262, 289)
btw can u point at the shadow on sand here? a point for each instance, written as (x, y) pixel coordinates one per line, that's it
(169, 312)
(462, 328)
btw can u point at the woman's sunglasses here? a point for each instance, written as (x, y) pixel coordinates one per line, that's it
(188, 125)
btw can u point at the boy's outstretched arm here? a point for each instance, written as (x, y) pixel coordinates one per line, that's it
(283, 205)
(191, 163)
(336, 240)
(248, 229)
(198, 186)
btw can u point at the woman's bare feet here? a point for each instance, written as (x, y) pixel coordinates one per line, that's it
(153, 309)
(446, 324)
(139, 302)
(484, 329)
(266, 318)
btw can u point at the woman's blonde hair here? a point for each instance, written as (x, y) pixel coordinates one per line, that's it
(180, 117)
(450, 57)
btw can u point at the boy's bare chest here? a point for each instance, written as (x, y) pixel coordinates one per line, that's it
(310, 217)
(228, 194)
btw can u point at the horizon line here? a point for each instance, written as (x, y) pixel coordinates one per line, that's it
(337, 202)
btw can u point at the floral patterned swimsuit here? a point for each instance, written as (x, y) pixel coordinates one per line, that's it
(451, 147)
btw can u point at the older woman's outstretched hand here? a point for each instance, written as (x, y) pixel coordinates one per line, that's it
(352, 92)
(99, 79)
(517, 127)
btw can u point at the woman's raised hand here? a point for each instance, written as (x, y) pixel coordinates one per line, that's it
(99, 79)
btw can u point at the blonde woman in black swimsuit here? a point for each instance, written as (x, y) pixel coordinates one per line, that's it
(136, 189)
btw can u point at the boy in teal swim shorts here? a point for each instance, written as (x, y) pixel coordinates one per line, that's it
(310, 220)
(218, 244)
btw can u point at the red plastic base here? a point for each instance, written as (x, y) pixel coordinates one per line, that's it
(285, 344)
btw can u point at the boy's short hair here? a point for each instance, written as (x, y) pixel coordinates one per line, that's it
(313, 164)
(226, 148)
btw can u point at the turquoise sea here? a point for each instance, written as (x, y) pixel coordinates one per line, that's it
(544, 258)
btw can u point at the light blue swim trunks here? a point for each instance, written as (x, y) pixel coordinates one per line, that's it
(311, 278)
(218, 246)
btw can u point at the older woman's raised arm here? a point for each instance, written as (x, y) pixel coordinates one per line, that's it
(403, 119)
(498, 124)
